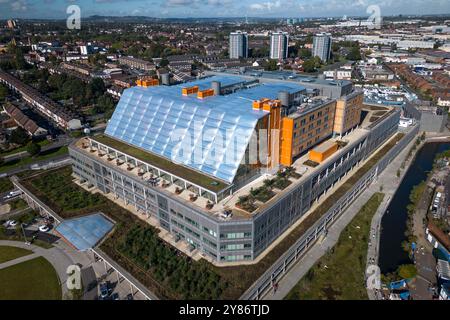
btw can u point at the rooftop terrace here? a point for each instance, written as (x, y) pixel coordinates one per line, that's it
(160, 162)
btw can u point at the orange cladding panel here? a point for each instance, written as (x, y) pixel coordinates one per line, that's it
(287, 132)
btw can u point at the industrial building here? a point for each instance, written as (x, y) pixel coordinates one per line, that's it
(188, 157)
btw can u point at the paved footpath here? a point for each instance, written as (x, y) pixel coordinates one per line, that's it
(389, 182)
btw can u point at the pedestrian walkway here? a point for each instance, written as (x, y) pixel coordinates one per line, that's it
(389, 186)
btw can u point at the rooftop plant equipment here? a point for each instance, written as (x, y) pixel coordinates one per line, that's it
(205, 93)
(189, 90)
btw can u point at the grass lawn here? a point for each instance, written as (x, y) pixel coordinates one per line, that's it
(28, 160)
(339, 275)
(8, 253)
(35, 279)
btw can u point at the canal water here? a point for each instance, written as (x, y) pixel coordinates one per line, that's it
(393, 223)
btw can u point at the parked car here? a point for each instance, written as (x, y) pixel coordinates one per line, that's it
(130, 296)
(13, 194)
(11, 223)
(44, 228)
(105, 291)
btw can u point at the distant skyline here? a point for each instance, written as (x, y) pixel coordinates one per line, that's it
(218, 8)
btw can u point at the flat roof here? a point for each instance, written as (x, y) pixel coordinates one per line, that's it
(269, 90)
(206, 83)
(324, 146)
(85, 232)
(290, 76)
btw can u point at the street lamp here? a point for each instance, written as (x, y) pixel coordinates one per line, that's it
(24, 235)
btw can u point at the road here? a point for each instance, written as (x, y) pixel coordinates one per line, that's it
(26, 167)
(61, 142)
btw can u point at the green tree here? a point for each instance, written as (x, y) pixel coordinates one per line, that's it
(312, 64)
(272, 65)
(407, 271)
(164, 63)
(19, 136)
(97, 87)
(20, 60)
(354, 54)
(33, 148)
(3, 92)
(304, 53)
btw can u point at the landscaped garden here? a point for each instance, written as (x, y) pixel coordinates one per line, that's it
(57, 191)
(265, 192)
(339, 275)
(185, 278)
(34, 279)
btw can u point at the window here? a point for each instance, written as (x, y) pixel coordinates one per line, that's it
(236, 235)
(211, 232)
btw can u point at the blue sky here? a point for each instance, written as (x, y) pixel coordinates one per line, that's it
(218, 8)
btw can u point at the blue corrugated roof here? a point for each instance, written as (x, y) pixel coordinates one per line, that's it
(85, 232)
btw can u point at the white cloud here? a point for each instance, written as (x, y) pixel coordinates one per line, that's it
(265, 5)
(19, 5)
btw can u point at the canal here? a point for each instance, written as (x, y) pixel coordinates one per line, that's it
(393, 223)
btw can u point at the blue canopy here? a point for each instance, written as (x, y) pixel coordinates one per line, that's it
(397, 285)
(85, 232)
